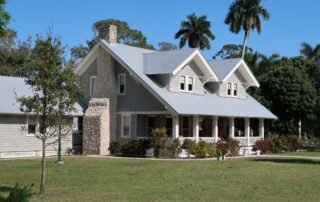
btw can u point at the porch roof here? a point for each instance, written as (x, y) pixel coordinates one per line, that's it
(184, 103)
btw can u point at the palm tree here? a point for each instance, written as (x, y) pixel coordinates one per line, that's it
(309, 52)
(245, 14)
(196, 30)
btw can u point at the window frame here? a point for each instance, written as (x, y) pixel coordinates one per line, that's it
(193, 82)
(232, 89)
(124, 84)
(185, 79)
(94, 77)
(36, 125)
(122, 125)
(235, 84)
(229, 84)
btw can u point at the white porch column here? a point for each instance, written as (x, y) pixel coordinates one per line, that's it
(247, 130)
(215, 128)
(231, 127)
(175, 127)
(261, 128)
(196, 127)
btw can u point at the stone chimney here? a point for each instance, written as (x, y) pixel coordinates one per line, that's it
(112, 34)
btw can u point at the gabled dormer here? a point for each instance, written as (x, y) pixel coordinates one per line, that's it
(235, 77)
(180, 71)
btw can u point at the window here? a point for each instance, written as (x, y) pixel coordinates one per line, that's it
(31, 129)
(151, 125)
(169, 126)
(229, 88)
(125, 128)
(235, 89)
(182, 82)
(190, 83)
(121, 84)
(92, 82)
(184, 126)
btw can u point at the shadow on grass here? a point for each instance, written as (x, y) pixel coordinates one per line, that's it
(288, 160)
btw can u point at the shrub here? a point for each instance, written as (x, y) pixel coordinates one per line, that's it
(293, 143)
(135, 148)
(159, 138)
(175, 148)
(202, 149)
(279, 144)
(165, 153)
(190, 146)
(222, 148)
(233, 146)
(212, 152)
(263, 145)
(18, 193)
(115, 148)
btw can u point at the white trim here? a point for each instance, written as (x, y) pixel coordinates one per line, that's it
(27, 129)
(125, 83)
(193, 84)
(191, 57)
(185, 81)
(122, 117)
(242, 62)
(91, 90)
(232, 89)
(143, 112)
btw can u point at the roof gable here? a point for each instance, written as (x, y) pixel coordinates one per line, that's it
(225, 68)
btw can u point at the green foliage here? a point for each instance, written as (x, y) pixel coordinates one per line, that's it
(78, 52)
(278, 144)
(312, 53)
(246, 15)
(165, 152)
(115, 148)
(125, 34)
(222, 147)
(4, 18)
(212, 152)
(175, 148)
(166, 46)
(190, 146)
(159, 139)
(196, 31)
(18, 193)
(263, 145)
(135, 148)
(202, 149)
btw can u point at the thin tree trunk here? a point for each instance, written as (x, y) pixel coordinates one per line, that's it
(244, 43)
(43, 168)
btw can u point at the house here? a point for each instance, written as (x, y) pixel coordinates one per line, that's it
(17, 129)
(129, 91)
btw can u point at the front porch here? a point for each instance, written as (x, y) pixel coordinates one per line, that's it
(209, 128)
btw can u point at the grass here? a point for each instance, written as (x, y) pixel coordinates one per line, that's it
(107, 179)
(307, 154)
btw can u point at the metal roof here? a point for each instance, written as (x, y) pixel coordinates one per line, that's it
(13, 87)
(223, 67)
(164, 62)
(186, 103)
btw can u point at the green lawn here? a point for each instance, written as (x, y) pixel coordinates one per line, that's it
(106, 179)
(308, 154)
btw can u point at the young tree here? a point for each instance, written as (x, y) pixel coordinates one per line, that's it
(54, 93)
(196, 30)
(245, 14)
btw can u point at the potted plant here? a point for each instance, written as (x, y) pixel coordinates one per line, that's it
(222, 149)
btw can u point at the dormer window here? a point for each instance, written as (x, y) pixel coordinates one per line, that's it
(190, 83)
(92, 83)
(182, 82)
(121, 84)
(229, 88)
(235, 89)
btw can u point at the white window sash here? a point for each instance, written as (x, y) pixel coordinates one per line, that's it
(124, 84)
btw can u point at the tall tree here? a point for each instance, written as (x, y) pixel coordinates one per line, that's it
(125, 34)
(245, 15)
(312, 53)
(166, 46)
(54, 93)
(4, 18)
(196, 30)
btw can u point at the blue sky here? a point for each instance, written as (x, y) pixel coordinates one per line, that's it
(292, 21)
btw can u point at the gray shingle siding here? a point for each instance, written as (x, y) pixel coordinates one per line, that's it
(235, 77)
(84, 79)
(136, 97)
(189, 70)
(14, 137)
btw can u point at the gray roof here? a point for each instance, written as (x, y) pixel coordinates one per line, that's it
(165, 62)
(13, 87)
(223, 67)
(186, 103)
